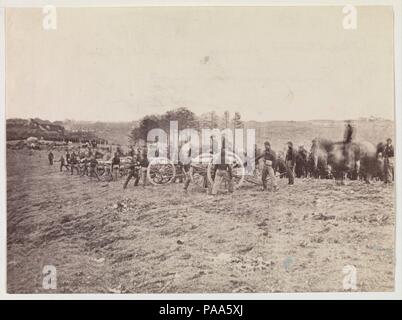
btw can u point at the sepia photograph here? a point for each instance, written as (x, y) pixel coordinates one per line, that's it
(200, 149)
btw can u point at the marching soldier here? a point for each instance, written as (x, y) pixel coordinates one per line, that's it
(269, 158)
(389, 162)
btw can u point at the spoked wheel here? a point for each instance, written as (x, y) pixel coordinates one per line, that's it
(100, 171)
(199, 176)
(238, 170)
(199, 166)
(161, 171)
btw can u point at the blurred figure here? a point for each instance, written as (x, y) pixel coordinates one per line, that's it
(74, 163)
(188, 171)
(93, 163)
(144, 162)
(301, 163)
(50, 157)
(389, 162)
(290, 163)
(347, 140)
(115, 165)
(348, 134)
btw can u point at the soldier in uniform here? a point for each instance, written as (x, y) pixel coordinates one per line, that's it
(135, 167)
(62, 163)
(84, 166)
(144, 162)
(269, 158)
(115, 165)
(188, 171)
(74, 163)
(301, 162)
(347, 140)
(388, 162)
(290, 162)
(50, 157)
(93, 163)
(223, 171)
(68, 156)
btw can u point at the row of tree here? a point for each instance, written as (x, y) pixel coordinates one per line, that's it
(185, 119)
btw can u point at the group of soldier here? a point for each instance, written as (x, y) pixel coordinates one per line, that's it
(85, 163)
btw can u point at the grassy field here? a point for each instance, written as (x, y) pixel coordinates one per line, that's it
(102, 238)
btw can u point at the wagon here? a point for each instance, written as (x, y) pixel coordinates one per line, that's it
(163, 171)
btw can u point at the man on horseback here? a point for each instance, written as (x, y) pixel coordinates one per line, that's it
(347, 140)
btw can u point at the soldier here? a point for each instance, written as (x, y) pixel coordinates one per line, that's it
(188, 171)
(144, 162)
(62, 163)
(115, 165)
(84, 166)
(68, 157)
(223, 171)
(67, 160)
(389, 162)
(50, 157)
(74, 163)
(269, 158)
(93, 163)
(135, 167)
(348, 134)
(347, 139)
(180, 169)
(290, 163)
(301, 162)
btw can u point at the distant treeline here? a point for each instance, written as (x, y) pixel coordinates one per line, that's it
(185, 119)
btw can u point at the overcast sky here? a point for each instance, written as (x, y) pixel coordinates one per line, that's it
(269, 63)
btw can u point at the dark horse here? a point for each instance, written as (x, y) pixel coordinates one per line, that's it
(344, 158)
(317, 162)
(355, 160)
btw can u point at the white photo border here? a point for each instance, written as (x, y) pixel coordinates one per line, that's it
(397, 294)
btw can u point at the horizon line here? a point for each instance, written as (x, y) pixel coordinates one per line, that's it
(259, 121)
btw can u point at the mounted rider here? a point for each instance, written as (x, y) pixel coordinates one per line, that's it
(347, 140)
